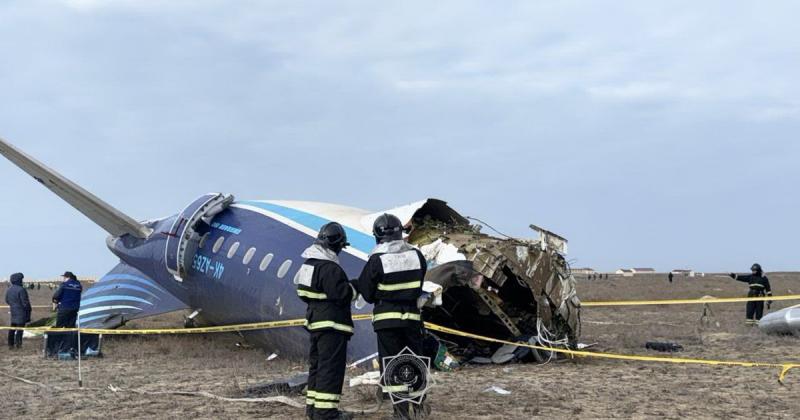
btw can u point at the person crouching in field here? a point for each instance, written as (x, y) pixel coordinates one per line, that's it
(759, 286)
(20, 306)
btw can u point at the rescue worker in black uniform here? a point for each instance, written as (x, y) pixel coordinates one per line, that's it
(324, 286)
(392, 280)
(67, 299)
(759, 286)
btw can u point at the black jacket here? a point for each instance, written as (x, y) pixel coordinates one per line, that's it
(759, 283)
(323, 285)
(392, 280)
(68, 295)
(17, 300)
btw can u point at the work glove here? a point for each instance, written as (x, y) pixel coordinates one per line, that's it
(423, 299)
(356, 295)
(360, 302)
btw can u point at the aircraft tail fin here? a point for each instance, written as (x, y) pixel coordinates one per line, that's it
(104, 215)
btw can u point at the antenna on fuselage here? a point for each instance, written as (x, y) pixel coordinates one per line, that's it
(103, 214)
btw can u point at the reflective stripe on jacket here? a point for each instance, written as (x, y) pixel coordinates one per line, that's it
(323, 285)
(392, 280)
(757, 283)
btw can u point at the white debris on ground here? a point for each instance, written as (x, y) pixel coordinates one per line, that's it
(497, 390)
(369, 378)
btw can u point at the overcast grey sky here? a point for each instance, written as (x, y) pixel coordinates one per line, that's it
(658, 134)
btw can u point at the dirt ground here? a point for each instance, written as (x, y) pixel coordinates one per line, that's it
(586, 388)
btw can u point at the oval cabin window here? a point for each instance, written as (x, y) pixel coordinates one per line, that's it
(265, 262)
(218, 244)
(232, 251)
(284, 268)
(248, 256)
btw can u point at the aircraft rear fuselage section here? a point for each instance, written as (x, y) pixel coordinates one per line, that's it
(242, 273)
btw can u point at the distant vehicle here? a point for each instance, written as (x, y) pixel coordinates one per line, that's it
(232, 262)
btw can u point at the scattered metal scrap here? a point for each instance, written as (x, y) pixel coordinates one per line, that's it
(663, 346)
(289, 386)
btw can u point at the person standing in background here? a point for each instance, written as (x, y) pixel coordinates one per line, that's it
(759, 287)
(20, 308)
(67, 299)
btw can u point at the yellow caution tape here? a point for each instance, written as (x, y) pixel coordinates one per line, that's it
(34, 306)
(166, 331)
(785, 367)
(689, 301)
(649, 302)
(199, 330)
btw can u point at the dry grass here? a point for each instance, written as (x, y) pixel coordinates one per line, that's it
(589, 388)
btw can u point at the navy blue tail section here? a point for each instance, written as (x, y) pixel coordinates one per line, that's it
(124, 294)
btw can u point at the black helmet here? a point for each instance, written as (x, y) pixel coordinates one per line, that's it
(332, 236)
(387, 228)
(757, 268)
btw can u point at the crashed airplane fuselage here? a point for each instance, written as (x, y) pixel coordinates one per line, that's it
(233, 262)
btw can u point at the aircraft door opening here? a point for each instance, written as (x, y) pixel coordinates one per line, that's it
(192, 223)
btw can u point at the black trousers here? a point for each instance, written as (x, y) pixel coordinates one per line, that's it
(392, 341)
(66, 318)
(755, 310)
(15, 336)
(327, 359)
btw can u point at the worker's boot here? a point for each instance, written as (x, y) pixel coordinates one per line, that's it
(401, 411)
(339, 415)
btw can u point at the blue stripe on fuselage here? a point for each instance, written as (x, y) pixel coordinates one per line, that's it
(358, 240)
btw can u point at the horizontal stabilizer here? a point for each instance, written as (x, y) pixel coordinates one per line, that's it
(122, 295)
(107, 217)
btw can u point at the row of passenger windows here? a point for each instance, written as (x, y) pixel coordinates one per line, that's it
(248, 256)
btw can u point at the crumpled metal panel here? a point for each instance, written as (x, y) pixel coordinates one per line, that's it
(541, 270)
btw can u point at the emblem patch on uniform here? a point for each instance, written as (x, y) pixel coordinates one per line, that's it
(406, 377)
(406, 261)
(304, 275)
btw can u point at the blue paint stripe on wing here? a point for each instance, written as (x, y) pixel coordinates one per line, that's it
(101, 288)
(137, 279)
(91, 301)
(118, 308)
(87, 320)
(358, 240)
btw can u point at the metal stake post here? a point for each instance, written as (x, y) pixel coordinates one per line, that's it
(80, 377)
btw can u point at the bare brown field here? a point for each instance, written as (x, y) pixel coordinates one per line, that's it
(586, 388)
